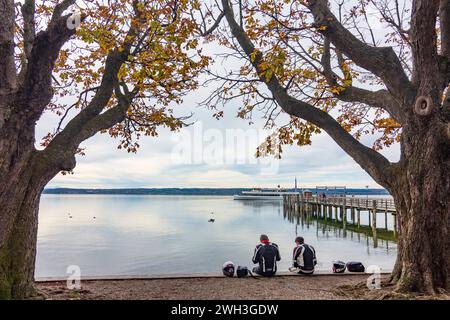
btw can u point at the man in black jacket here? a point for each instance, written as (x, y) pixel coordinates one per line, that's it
(304, 257)
(266, 256)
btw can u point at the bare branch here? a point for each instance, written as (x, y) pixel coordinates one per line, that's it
(381, 61)
(79, 101)
(395, 22)
(379, 99)
(214, 26)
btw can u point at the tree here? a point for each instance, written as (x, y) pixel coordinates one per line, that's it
(119, 72)
(327, 68)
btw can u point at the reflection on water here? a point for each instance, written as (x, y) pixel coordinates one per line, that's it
(171, 234)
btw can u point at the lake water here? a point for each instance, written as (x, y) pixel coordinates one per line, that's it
(145, 235)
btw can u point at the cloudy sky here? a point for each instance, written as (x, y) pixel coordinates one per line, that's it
(211, 153)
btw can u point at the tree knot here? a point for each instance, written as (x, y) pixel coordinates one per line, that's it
(424, 106)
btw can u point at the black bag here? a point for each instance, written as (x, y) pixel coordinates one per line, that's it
(338, 266)
(355, 266)
(242, 272)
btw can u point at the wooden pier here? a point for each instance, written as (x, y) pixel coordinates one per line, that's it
(345, 211)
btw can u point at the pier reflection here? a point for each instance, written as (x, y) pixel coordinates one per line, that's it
(342, 222)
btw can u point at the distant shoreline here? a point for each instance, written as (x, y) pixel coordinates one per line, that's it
(193, 191)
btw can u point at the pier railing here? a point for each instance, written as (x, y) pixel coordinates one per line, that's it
(381, 204)
(384, 204)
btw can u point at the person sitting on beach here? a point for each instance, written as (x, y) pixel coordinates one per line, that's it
(266, 256)
(304, 257)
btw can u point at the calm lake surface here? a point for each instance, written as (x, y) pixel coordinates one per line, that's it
(145, 235)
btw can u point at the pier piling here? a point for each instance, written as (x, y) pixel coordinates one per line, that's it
(336, 210)
(374, 223)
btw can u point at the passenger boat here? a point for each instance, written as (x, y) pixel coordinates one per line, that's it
(259, 194)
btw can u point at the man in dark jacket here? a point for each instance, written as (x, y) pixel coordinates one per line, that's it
(304, 257)
(266, 256)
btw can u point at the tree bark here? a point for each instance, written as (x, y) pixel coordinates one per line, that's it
(18, 251)
(421, 192)
(23, 175)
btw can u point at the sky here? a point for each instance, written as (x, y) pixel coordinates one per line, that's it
(210, 154)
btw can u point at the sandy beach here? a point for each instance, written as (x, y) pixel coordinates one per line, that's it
(279, 287)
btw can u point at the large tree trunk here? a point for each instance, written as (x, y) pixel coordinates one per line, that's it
(19, 206)
(18, 249)
(421, 194)
(23, 175)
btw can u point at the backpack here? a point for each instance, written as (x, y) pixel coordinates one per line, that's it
(354, 266)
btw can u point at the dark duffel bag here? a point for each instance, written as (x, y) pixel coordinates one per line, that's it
(355, 266)
(242, 272)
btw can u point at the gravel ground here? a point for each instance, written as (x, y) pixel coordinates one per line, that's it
(280, 287)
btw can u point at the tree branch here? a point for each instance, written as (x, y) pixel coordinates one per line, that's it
(28, 10)
(444, 17)
(379, 99)
(215, 25)
(371, 161)
(381, 61)
(29, 29)
(60, 157)
(36, 90)
(60, 151)
(8, 73)
(67, 141)
(424, 47)
(395, 22)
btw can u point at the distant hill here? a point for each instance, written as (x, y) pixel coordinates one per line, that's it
(191, 191)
